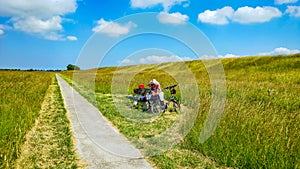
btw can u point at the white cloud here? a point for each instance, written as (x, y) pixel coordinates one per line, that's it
(38, 8)
(38, 17)
(112, 28)
(152, 59)
(35, 25)
(293, 11)
(255, 15)
(281, 51)
(219, 16)
(53, 36)
(276, 51)
(229, 55)
(72, 38)
(242, 15)
(280, 2)
(128, 62)
(159, 59)
(167, 4)
(172, 18)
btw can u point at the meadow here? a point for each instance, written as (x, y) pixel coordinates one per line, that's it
(259, 127)
(21, 96)
(34, 128)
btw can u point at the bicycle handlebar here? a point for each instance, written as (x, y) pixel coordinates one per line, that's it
(170, 87)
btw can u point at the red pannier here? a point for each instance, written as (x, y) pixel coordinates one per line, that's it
(141, 90)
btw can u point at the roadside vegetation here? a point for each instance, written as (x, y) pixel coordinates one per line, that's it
(259, 126)
(49, 143)
(34, 129)
(21, 96)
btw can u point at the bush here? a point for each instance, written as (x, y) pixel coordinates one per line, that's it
(72, 67)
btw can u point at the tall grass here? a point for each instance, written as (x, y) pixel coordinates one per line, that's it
(21, 96)
(49, 143)
(260, 124)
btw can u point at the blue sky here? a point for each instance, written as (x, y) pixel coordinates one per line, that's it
(50, 34)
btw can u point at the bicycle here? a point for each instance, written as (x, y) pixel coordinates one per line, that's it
(139, 98)
(172, 98)
(143, 98)
(156, 105)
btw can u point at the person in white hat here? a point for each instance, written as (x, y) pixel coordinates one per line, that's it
(156, 90)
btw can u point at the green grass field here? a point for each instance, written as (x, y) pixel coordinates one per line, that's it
(34, 129)
(21, 96)
(258, 129)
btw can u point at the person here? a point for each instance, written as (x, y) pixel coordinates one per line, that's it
(155, 90)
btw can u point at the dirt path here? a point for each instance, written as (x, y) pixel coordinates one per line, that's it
(97, 142)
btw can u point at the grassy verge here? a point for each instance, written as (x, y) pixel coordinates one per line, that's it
(21, 96)
(49, 144)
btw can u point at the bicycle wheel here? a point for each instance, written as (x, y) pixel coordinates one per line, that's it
(176, 105)
(145, 106)
(157, 107)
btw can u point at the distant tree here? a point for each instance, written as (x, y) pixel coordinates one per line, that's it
(72, 67)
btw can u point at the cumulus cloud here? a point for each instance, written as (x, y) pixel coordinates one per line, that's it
(172, 18)
(293, 11)
(35, 25)
(280, 2)
(53, 36)
(281, 51)
(167, 4)
(242, 15)
(159, 59)
(164, 17)
(219, 16)
(152, 59)
(276, 51)
(43, 9)
(72, 38)
(112, 28)
(229, 55)
(256, 15)
(38, 17)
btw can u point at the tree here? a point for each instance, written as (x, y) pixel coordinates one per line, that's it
(72, 67)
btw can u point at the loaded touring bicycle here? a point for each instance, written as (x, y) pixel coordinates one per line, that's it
(148, 102)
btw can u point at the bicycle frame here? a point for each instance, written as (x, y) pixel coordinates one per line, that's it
(172, 98)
